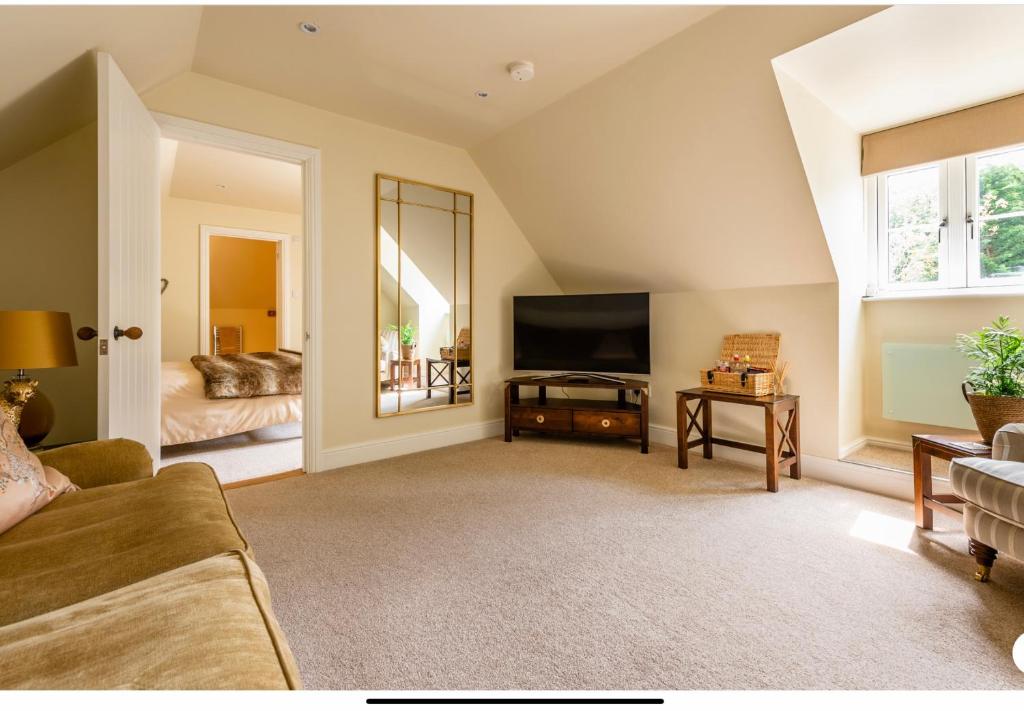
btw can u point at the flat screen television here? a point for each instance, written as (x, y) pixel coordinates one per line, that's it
(586, 333)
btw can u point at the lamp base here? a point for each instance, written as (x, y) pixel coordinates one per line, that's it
(37, 418)
(15, 394)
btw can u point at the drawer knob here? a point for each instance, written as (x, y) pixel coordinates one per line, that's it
(606, 422)
(540, 419)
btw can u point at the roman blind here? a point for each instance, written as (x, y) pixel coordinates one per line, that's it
(992, 125)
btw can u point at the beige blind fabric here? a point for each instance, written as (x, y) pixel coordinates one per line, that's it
(992, 125)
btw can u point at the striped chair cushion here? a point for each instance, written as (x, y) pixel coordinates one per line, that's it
(994, 531)
(1008, 443)
(991, 485)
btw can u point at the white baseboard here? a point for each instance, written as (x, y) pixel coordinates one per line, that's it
(898, 485)
(383, 448)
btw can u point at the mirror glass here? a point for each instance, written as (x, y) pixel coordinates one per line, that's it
(424, 290)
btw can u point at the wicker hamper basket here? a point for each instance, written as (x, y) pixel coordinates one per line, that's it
(763, 349)
(993, 411)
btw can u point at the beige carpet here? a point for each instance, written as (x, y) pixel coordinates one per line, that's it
(548, 564)
(893, 458)
(249, 455)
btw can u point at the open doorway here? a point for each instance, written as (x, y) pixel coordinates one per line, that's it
(232, 311)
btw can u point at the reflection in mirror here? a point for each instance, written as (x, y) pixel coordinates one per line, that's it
(387, 302)
(424, 280)
(463, 317)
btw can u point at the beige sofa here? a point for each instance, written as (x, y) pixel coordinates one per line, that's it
(993, 491)
(136, 581)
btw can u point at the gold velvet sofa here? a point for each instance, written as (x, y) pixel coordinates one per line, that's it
(136, 581)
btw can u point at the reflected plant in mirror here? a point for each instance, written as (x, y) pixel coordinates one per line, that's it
(424, 244)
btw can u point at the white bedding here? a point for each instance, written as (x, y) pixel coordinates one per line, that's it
(187, 416)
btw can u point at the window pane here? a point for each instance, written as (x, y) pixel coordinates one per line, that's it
(1001, 183)
(913, 255)
(913, 197)
(1002, 248)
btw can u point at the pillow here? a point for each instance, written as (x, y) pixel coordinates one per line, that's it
(25, 484)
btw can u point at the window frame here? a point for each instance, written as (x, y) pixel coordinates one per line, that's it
(882, 231)
(959, 237)
(973, 227)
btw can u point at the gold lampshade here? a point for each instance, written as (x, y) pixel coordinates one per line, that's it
(36, 339)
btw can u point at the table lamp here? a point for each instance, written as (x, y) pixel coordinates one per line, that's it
(30, 340)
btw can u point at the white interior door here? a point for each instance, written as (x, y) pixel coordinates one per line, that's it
(129, 262)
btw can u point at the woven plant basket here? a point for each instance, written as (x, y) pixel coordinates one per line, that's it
(993, 411)
(763, 349)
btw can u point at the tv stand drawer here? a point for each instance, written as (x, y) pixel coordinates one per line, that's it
(606, 422)
(541, 418)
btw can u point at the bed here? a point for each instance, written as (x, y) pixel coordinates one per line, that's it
(186, 415)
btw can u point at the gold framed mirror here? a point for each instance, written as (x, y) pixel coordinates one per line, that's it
(424, 265)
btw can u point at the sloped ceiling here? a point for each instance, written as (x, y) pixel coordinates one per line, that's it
(678, 170)
(417, 69)
(912, 62)
(231, 178)
(48, 71)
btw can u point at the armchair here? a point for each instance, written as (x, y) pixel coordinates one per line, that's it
(993, 494)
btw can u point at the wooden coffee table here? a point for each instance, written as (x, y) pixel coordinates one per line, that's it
(944, 447)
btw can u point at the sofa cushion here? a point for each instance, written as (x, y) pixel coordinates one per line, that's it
(996, 486)
(207, 625)
(92, 541)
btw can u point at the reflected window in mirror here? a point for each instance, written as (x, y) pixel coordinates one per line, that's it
(424, 246)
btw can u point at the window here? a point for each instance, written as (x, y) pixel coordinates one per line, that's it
(997, 238)
(957, 223)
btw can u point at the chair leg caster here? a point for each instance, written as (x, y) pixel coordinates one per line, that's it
(985, 557)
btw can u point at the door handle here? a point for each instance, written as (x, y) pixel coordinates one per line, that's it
(86, 333)
(132, 332)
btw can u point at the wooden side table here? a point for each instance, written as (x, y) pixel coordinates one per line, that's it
(402, 370)
(781, 416)
(928, 446)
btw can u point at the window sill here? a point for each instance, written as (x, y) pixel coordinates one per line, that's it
(959, 293)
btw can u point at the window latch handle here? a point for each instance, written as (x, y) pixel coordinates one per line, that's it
(970, 225)
(942, 225)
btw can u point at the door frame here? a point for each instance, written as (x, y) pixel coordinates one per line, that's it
(308, 158)
(282, 287)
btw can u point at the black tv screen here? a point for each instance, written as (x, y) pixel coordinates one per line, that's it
(590, 333)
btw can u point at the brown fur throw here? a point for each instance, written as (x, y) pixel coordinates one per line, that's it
(250, 374)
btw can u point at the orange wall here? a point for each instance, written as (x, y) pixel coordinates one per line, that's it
(243, 287)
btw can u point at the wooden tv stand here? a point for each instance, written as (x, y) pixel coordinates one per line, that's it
(603, 418)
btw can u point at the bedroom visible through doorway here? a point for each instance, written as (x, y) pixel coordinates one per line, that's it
(232, 311)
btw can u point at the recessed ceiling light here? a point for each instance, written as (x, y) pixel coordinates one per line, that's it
(222, 186)
(310, 28)
(481, 94)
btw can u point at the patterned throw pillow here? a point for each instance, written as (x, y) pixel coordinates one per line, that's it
(25, 484)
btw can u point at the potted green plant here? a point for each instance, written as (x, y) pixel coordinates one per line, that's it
(406, 338)
(997, 381)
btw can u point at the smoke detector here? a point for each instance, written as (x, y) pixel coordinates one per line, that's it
(520, 70)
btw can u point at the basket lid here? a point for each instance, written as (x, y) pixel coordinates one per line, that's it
(763, 348)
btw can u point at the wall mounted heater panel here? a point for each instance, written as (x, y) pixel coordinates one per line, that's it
(921, 383)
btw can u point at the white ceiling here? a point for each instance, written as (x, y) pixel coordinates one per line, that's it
(911, 62)
(416, 68)
(248, 181)
(47, 73)
(412, 68)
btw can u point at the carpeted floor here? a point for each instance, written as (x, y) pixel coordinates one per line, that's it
(893, 458)
(249, 455)
(549, 564)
